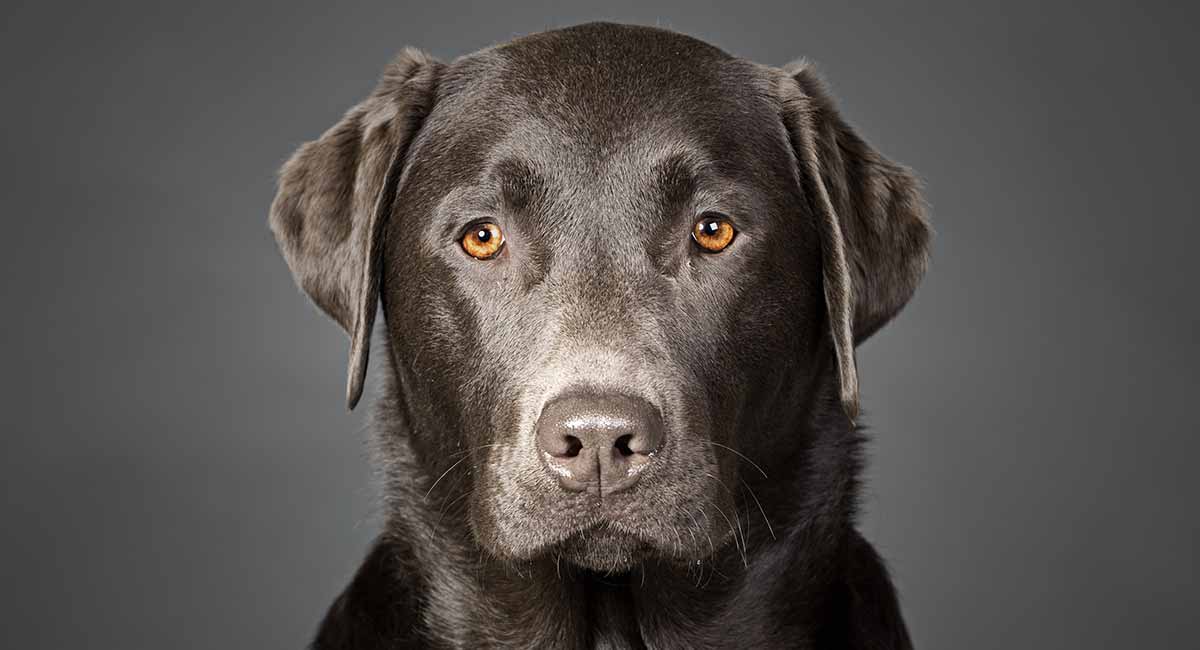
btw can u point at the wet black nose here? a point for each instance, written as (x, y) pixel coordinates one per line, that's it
(598, 442)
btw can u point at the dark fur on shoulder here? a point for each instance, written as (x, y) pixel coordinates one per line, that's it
(724, 516)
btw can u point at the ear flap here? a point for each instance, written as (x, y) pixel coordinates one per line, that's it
(871, 220)
(335, 195)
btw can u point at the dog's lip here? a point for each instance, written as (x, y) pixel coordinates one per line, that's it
(603, 519)
(609, 524)
(604, 532)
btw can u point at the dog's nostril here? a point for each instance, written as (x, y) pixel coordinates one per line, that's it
(622, 444)
(574, 445)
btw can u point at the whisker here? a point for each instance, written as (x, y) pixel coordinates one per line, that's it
(464, 452)
(740, 454)
(439, 480)
(446, 507)
(678, 539)
(451, 487)
(733, 500)
(741, 550)
(770, 529)
(696, 526)
(712, 549)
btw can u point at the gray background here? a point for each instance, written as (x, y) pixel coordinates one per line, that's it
(178, 469)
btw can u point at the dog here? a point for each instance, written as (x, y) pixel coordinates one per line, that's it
(623, 275)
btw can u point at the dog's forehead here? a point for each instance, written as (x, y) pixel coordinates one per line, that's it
(600, 83)
(609, 76)
(602, 108)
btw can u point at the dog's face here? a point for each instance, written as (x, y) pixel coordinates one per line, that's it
(613, 274)
(585, 277)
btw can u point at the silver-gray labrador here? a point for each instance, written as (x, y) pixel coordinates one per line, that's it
(623, 274)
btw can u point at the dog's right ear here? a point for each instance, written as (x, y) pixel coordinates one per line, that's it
(336, 193)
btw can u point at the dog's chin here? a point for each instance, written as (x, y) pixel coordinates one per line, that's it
(604, 550)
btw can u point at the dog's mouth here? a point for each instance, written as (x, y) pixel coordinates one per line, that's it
(615, 539)
(605, 549)
(616, 544)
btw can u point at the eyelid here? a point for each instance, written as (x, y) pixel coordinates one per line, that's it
(475, 223)
(717, 213)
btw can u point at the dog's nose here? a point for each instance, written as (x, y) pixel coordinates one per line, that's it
(600, 442)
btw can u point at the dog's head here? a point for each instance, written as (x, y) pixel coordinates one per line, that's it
(616, 266)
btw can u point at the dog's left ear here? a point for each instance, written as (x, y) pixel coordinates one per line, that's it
(335, 194)
(871, 219)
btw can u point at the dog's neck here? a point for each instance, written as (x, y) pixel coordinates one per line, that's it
(794, 559)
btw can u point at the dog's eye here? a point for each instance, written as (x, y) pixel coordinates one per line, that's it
(713, 232)
(483, 240)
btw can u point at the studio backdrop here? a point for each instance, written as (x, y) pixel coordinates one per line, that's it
(178, 467)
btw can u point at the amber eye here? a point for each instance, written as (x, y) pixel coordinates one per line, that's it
(483, 241)
(713, 232)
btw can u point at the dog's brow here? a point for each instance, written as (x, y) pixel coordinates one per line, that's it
(519, 182)
(677, 175)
